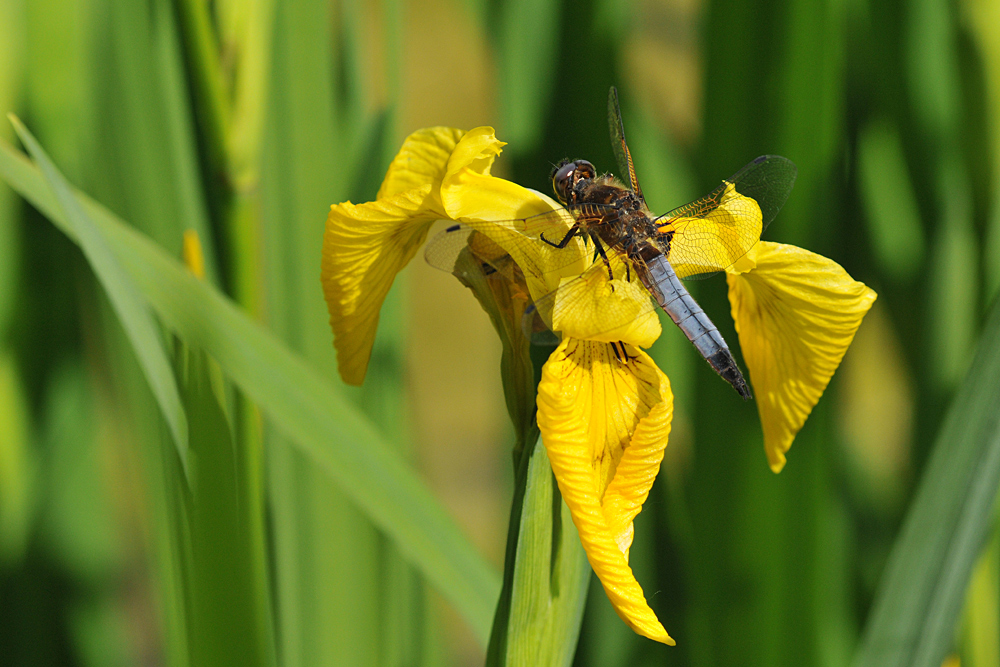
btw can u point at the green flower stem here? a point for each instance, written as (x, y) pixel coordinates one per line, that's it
(545, 574)
(237, 210)
(212, 99)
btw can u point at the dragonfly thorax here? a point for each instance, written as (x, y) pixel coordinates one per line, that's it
(618, 215)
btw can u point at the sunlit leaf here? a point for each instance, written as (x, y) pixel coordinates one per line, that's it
(301, 404)
(130, 307)
(912, 622)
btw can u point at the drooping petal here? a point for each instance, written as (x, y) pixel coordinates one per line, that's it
(605, 424)
(366, 245)
(796, 313)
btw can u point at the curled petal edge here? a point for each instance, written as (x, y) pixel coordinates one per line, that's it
(580, 433)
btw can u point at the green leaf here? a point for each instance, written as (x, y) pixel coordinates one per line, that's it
(225, 589)
(132, 311)
(332, 567)
(527, 57)
(913, 618)
(893, 217)
(300, 403)
(550, 576)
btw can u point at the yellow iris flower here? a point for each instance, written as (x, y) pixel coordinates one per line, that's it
(604, 409)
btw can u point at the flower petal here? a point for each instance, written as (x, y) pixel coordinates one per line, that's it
(605, 425)
(364, 247)
(795, 313)
(747, 262)
(715, 241)
(422, 160)
(490, 205)
(583, 308)
(194, 257)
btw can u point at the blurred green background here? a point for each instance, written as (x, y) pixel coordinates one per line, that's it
(245, 120)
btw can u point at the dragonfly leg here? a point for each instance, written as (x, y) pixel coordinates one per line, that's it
(604, 256)
(573, 231)
(622, 354)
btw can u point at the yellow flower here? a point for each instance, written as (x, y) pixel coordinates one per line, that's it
(365, 246)
(796, 313)
(605, 425)
(603, 407)
(604, 410)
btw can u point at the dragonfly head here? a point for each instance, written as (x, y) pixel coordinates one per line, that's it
(567, 175)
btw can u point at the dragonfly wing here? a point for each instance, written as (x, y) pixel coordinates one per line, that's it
(768, 180)
(445, 250)
(588, 305)
(529, 242)
(622, 153)
(710, 234)
(593, 307)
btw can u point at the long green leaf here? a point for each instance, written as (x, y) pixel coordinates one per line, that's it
(549, 578)
(527, 38)
(223, 586)
(298, 401)
(913, 619)
(329, 560)
(131, 309)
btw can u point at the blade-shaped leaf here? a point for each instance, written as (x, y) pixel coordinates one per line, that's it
(224, 589)
(132, 311)
(526, 65)
(538, 622)
(913, 618)
(297, 400)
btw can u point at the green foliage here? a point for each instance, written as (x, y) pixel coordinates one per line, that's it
(913, 617)
(130, 308)
(538, 620)
(185, 481)
(303, 406)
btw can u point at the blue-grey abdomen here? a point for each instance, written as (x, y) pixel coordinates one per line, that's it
(663, 283)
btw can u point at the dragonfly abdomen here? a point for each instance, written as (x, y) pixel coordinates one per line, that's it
(663, 283)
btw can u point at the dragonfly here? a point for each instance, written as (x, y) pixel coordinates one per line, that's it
(693, 241)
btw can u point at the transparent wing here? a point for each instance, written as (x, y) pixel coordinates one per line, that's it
(444, 250)
(593, 307)
(589, 302)
(622, 153)
(712, 233)
(529, 239)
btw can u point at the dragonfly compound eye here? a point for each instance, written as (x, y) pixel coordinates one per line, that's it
(562, 180)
